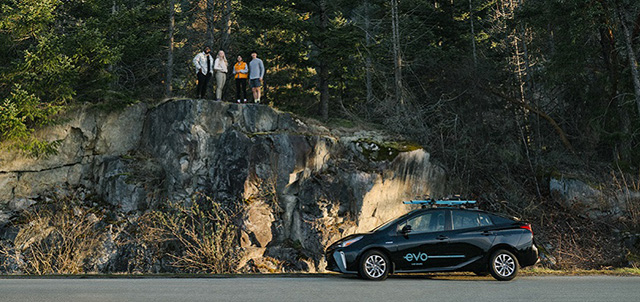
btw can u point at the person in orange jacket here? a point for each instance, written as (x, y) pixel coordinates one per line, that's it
(241, 74)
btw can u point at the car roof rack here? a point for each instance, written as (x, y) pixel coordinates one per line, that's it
(447, 202)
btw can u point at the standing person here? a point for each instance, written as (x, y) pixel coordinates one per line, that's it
(204, 70)
(220, 66)
(256, 73)
(241, 72)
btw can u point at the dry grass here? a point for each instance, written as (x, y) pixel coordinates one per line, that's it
(199, 236)
(580, 272)
(626, 185)
(56, 238)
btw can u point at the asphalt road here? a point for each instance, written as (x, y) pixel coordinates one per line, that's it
(328, 288)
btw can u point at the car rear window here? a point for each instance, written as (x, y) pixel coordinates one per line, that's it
(470, 219)
(501, 220)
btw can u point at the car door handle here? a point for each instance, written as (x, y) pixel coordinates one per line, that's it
(487, 233)
(442, 237)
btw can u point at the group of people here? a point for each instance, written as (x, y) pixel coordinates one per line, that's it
(206, 67)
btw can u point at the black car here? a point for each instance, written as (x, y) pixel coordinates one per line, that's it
(438, 239)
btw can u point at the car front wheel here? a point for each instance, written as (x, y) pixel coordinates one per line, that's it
(374, 266)
(503, 265)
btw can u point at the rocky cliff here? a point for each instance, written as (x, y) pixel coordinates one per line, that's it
(309, 184)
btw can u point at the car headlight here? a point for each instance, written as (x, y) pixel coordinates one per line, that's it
(349, 242)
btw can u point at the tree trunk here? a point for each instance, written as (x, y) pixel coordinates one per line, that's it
(169, 79)
(473, 36)
(226, 26)
(633, 61)
(324, 91)
(323, 70)
(611, 60)
(368, 65)
(211, 23)
(397, 54)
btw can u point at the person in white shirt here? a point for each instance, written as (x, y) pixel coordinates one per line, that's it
(204, 70)
(220, 66)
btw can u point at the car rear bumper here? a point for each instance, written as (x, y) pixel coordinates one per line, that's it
(529, 256)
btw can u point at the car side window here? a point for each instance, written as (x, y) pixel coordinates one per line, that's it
(469, 219)
(432, 221)
(484, 219)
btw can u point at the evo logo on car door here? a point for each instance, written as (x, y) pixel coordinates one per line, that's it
(420, 256)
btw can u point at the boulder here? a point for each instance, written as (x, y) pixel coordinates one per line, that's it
(590, 201)
(256, 226)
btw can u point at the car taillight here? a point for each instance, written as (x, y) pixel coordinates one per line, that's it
(527, 227)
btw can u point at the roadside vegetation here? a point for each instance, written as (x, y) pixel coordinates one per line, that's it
(59, 236)
(506, 95)
(197, 236)
(76, 235)
(627, 271)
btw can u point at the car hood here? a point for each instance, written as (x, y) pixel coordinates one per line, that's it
(333, 245)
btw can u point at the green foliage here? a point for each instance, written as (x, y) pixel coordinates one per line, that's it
(27, 19)
(48, 72)
(62, 52)
(584, 69)
(276, 31)
(19, 114)
(565, 58)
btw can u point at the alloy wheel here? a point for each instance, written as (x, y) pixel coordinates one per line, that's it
(504, 265)
(375, 266)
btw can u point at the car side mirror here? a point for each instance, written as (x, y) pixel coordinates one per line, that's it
(405, 230)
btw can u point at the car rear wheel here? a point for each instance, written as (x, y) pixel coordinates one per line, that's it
(374, 265)
(503, 265)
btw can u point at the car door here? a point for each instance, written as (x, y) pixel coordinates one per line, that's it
(414, 249)
(471, 236)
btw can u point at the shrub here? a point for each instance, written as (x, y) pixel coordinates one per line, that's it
(59, 237)
(199, 236)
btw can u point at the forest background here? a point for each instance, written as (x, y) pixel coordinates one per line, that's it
(505, 94)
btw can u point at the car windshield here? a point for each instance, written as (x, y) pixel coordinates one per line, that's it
(384, 225)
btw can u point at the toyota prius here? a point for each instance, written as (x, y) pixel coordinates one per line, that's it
(443, 236)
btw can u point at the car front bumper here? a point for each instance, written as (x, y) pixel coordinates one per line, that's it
(338, 261)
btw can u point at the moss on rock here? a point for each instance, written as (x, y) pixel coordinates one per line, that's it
(384, 151)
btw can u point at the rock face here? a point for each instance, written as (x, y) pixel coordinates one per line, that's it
(307, 185)
(592, 202)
